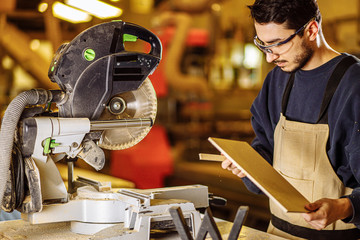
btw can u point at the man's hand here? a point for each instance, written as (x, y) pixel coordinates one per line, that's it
(326, 211)
(226, 164)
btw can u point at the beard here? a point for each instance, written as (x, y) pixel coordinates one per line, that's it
(301, 59)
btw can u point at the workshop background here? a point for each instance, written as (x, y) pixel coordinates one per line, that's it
(208, 77)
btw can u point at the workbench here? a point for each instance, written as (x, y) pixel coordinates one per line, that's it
(20, 229)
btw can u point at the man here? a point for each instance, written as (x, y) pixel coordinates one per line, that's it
(307, 121)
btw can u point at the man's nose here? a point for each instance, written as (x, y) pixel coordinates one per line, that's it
(270, 57)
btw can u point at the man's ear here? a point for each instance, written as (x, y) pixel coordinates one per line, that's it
(313, 30)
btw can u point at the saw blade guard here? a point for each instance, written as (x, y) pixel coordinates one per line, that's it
(95, 66)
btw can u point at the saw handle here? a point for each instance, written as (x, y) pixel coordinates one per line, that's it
(145, 35)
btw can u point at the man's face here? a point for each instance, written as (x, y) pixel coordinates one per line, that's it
(290, 56)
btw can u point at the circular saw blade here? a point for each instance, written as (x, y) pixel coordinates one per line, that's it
(140, 103)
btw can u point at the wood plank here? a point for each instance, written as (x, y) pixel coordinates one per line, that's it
(211, 157)
(262, 174)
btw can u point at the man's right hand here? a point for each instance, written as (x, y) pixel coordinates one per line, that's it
(227, 164)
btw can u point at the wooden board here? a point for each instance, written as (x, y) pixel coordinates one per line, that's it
(262, 174)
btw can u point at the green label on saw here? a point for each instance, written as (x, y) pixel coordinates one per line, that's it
(89, 54)
(129, 38)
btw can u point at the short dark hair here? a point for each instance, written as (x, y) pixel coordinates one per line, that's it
(295, 13)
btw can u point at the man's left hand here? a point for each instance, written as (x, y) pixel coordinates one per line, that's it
(326, 211)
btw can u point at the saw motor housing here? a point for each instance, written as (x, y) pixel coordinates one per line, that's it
(94, 67)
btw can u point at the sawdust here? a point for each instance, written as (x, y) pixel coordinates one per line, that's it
(19, 230)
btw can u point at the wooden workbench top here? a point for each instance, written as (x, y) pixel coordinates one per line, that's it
(20, 229)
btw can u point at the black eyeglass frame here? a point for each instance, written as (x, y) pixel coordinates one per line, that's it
(266, 48)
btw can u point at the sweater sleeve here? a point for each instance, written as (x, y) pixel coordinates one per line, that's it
(354, 173)
(344, 123)
(354, 198)
(351, 177)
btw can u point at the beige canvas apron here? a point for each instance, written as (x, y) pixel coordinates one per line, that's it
(300, 157)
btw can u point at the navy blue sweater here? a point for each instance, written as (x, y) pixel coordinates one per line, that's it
(304, 106)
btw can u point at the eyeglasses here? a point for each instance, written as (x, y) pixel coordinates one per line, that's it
(279, 47)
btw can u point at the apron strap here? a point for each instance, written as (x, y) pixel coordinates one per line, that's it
(287, 91)
(331, 87)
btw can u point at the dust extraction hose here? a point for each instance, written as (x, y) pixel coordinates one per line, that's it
(8, 127)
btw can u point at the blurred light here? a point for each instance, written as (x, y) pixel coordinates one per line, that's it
(35, 44)
(252, 56)
(96, 8)
(7, 62)
(236, 54)
(141, 6)
(43, 7)
(216, 7)
(70, 14)
(43, 48)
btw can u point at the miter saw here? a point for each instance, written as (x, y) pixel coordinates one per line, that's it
(105, 101)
